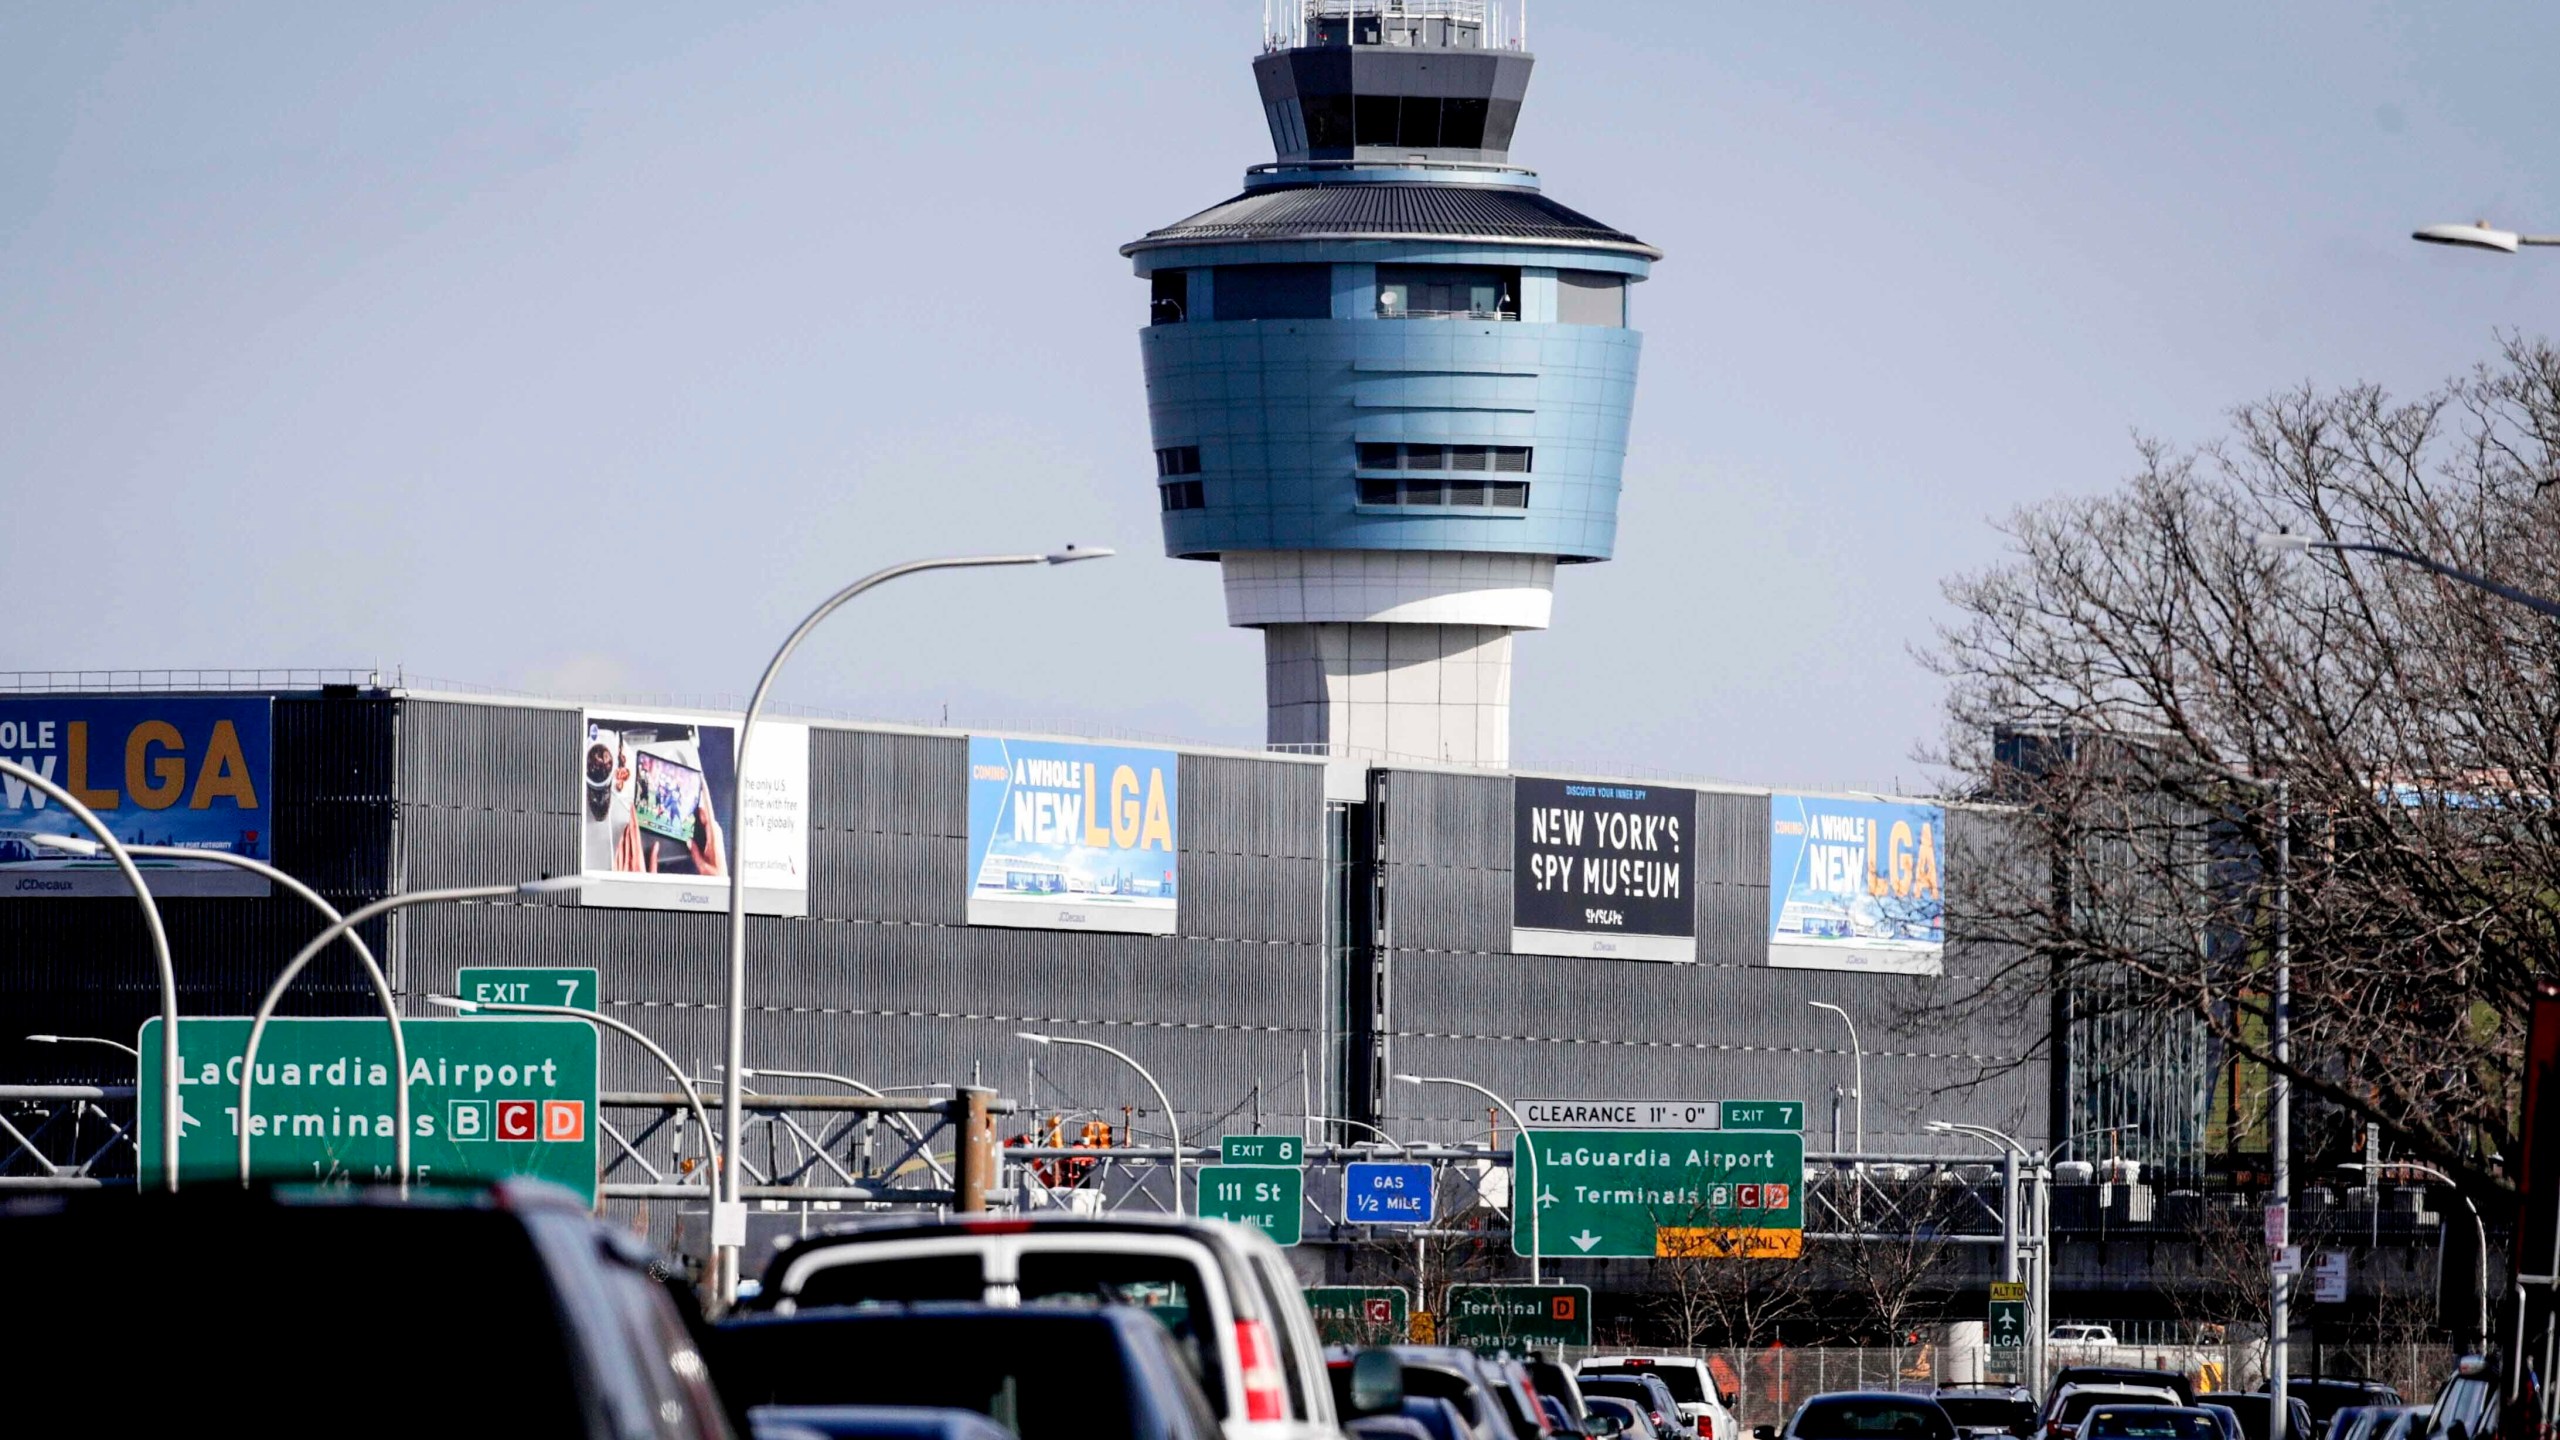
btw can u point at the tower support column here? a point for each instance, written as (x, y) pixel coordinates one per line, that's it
(1439, 693)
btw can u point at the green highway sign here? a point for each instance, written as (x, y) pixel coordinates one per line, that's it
(523, 985)
(1636, 1193)
(488, 1098)
(2006, 1327)
(1261, 1149)
(1499, 1317)
(1271, 1198)
(1361, 1314)
(1764, 1115)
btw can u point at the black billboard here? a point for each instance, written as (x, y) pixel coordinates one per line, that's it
(1603, 869)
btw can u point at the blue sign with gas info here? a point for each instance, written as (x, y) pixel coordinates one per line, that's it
(1386, 1194)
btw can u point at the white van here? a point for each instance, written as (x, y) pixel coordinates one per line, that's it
(1690, 1382)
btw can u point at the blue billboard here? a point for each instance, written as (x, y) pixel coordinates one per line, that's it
(1069, 836)
(196, 773)
(1855, 884)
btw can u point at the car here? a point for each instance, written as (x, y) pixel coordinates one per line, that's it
(2149, 1422)
(2072, 1403)
(1492, 1398)
(1868, 1415)
(1439, 1417)
(1553, 1379)
(2169, 1380)
(1225, 1293)
(2252, 1410)
(2230, 1421)
(2404, 1422)
(1648, 1389)
(2326, 1395)
(1633, 1422)
(1691, 1383)
(1989, 1410)
(2467, 1407)
(2080, 1335)
(1051, 1371)
(298, 1309)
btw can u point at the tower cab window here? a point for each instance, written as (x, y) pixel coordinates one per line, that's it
(1447, 292)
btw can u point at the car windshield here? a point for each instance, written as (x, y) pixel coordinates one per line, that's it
(1856, 1419)
(1681, 1380)
(2143, 1422)
(1039, 1375)
(1985, 1410)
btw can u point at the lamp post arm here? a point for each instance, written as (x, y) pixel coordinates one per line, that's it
(2526, 598)
(172, 1121)
(364, 957)
(732, 1116)
(693, 1097)
(293, 967)
(915, 1132)
(1172, 1122)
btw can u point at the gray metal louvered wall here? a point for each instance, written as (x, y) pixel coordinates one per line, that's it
(1728, 1026)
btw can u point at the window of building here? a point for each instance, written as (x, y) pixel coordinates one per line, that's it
(1422, 292)
(1182, 495)
(1513, 459)
(1438, 493)
(1178, 460)
(1377, 492)
(1274, 292)
(1329, 121)
(1170, 300)
(1589, 297)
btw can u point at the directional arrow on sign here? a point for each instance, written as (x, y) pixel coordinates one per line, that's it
(1585, 1241)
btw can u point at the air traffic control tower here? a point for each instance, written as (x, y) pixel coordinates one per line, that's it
(1390, 382)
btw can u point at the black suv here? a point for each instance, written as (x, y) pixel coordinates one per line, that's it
(312, 1310)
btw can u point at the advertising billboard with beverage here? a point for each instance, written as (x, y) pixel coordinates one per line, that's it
(655, 829)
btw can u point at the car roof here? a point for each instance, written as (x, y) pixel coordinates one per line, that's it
(1872, 1395)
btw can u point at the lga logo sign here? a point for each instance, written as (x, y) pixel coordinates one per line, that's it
(1856, 885)
(1603, 869)
(1065, 836)
(192, 772)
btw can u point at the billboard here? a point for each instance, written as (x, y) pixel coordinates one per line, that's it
(1067, 836)
(1603, 869)
(190, 771)
(655, 827)
(1854, 885)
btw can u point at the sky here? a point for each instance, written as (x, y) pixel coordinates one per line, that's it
(581, 349)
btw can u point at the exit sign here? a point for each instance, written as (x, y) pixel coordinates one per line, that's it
(526, 985)
(1261, 1149)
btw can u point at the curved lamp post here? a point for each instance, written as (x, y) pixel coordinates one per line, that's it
(2478, 1226)
(2479, 235)
(328, 913)
(1857, 1078)
(84, 1040)
(729, 1212)
(701, 1114)
(172, 1120)
(2282, 542)
(1171, 1122)
(322, 941)
(1535, 1252)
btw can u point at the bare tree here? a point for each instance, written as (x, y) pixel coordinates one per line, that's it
(2137, 673)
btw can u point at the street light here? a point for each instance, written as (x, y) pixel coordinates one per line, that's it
(159, 934)
(692, 1096)
(1857, 1078)
(1518, 1124)
(84, 1040)
(329, 914)
(2284, 543)
(2040, 1298)
(2479, 235)
(1171, 1122)
(2478, 1227)
(729, 1212)
(322, 941)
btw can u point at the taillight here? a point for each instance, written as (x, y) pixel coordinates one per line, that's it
(1261, 1362)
